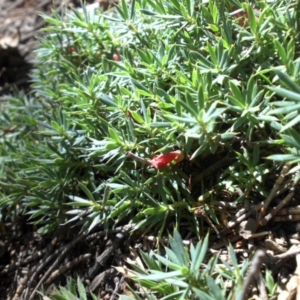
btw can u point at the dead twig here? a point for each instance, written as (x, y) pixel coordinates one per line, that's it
(276, 209)
(271, 245)
(125, 228)
(30, 276)
(273, 193)
(263, 294)
(294, 250)
(292, 289)
(67, 267)
(252, 273)
(54, 265)
(105, 255)
(118, 284)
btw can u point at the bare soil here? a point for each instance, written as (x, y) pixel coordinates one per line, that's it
(20, 24)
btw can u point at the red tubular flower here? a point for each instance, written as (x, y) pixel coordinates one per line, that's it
(116, 57)
(163, 160)
(71, 49)
(244, 17)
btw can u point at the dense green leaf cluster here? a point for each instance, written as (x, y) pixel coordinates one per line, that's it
(211, 78)
(184, 273)
(205, 77)
(188, 278)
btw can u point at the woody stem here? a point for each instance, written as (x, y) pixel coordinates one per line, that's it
(137, 158)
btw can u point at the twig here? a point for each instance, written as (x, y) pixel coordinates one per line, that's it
(291, 218)
(263, 295)
(21, 285)
(67, 267)
(276, 209)
(14, 5)
(137, 158)
(125, 228)
(292, 210)
(288, 214)
(54, 265)
(199, 212)
(253, 272)
(29, 277)
(271, 245)
(235, 221)
(273, 193)
(105, 255)
(10, 268)
(118, 283)
(294, 250)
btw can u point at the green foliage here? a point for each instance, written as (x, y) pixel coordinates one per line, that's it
(148, 78)
(72, 291)
(183, 273)
(270, 284)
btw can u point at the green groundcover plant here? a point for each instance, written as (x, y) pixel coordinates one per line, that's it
(190, 277)
(113, 91)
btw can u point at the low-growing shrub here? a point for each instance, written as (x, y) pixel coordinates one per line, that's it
(216, 80)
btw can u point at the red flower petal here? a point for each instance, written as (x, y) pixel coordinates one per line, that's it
(116, 57)
(163, 160)
(244, 17)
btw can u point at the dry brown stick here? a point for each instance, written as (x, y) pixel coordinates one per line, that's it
(294, 250)
(21, 287)
(285, 218)
(292, 210)
(54, 265)
(25, 279)
(43, 3)
(276, 209)
(118, 283)
(126, 228)
(252, 273)
(199, 212)
(22, 284)
(274, 191)
(263, 295)
(46, 259)
(106, 254)
(10, 268)
(242, 214)
(67, 267)
(235, 221)
(137, 158)
(257, 235)
(271, 245)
